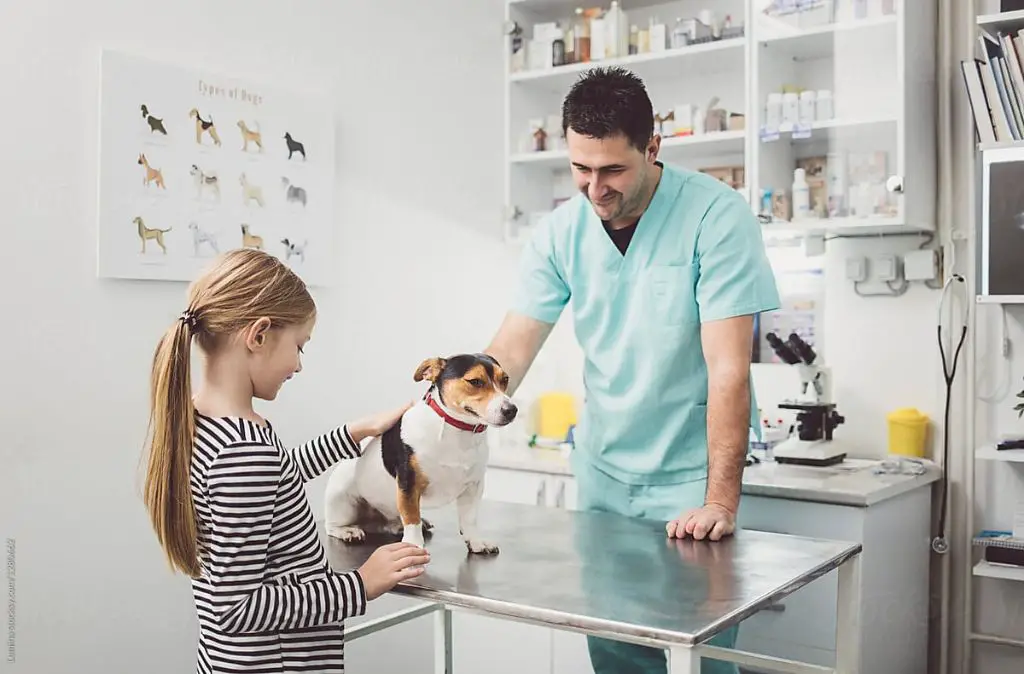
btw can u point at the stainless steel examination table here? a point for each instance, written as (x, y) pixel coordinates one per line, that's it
(618, 578)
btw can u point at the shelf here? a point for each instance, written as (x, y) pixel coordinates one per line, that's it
(1005, 145)
(840, 226)
(1000, 299)
(805, 44)
(990, 453)
(1001, 22)
(720, 142)
(989, 570)
(567, 6)
(829, 127)
(709, 56)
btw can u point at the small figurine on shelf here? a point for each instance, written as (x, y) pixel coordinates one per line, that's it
(540, 138)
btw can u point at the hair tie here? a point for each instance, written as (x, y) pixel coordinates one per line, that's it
(190, 319)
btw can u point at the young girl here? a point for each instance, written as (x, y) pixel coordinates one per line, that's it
(226, 498)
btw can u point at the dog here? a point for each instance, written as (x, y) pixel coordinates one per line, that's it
(199, 237)
(152, 175)
(147, 233)
(155, 125)
(294, 146)
(293, 193)
(250, 135)
(205, 181)
(204, 126)
(250, 191)
(435, 454)
(251, 240)
(293, 248)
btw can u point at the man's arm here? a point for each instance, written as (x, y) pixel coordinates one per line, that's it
(516, 344)
(727, 344)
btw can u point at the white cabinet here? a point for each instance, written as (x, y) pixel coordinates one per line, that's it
(894, 584)
(532, 488)
(521, 648)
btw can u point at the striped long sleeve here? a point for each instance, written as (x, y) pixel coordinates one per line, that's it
(320, 453)
(242, 489)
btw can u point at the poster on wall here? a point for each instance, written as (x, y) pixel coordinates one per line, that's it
(194, 163)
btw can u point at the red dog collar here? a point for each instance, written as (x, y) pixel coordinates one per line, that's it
(462, 425)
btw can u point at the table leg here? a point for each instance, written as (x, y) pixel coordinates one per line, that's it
(443, 641)
(848, 624)
(683, 660)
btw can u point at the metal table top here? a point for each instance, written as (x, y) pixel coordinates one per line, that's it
(607, 575)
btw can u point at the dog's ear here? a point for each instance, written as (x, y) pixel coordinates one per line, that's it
(430, 369)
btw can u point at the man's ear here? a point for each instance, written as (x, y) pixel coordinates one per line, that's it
(430, 369)
(257, 334)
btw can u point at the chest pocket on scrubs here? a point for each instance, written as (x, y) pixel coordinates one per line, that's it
(670, 295)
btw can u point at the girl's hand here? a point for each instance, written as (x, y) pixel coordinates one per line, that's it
(389, 565)
(375, 425)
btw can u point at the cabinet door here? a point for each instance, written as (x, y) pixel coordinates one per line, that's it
(517, 486)
(802, 626)
(484, 644)
(569, 653)
(564, 492)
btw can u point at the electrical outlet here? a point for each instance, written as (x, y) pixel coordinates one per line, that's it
(857, 269)
(920, 265)
(887, 267)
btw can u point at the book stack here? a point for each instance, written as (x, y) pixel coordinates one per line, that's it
(995, 87)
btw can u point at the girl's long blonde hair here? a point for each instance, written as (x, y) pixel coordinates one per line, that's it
(241, 287)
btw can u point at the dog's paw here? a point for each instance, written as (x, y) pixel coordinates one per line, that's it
(414, 535)
(348, 534)
(479, 547)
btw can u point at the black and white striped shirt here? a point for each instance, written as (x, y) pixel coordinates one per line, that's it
(267, 600)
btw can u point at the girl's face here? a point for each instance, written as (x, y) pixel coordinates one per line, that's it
(277, 358)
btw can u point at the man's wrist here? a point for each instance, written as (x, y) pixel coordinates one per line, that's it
(729, 508)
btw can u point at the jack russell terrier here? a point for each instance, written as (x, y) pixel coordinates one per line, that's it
(435, 454)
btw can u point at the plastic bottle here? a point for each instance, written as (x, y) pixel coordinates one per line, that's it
(801, 195)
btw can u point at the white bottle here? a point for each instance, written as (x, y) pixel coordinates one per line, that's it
(807, 106)
(790, 109)
(616, 32)
(801, 196)
(823, 105)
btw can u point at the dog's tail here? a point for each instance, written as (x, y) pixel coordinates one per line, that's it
(166, 230)
(257, 126)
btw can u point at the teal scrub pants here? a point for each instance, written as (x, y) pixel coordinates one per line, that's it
(598, 491)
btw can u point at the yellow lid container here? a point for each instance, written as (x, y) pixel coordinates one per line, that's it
(556, 412)
(908, 428)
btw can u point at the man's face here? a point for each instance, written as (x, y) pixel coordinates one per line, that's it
(611, 172)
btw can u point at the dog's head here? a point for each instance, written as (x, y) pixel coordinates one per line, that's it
(472, 386)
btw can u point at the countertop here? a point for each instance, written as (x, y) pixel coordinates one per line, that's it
(852, 482)
(569, 569)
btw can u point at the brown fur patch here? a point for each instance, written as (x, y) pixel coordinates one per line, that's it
(409, 500)
(430, 369)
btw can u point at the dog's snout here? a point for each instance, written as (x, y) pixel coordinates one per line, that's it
(509, 411)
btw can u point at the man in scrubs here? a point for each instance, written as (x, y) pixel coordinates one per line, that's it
(666, 269)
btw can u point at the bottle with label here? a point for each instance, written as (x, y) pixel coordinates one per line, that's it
(558, 55)
(617, 31)
(801, 195)
(582, 34)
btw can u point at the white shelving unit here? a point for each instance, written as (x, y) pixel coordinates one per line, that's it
(876, 139)
(1010, 462)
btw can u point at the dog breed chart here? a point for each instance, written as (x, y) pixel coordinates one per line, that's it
(193, 164)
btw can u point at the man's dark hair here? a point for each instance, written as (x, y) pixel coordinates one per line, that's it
(607, 101)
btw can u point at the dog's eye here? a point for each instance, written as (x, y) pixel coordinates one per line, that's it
(478, 383)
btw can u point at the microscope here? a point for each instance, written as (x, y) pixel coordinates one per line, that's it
(816, 416)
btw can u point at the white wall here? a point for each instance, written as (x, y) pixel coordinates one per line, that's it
(420, 273)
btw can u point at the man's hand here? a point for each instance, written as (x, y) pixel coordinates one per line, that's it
(712, 521)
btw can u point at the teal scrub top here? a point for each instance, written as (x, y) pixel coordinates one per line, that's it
(696, 255)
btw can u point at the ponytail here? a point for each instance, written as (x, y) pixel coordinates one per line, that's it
(168, 493)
